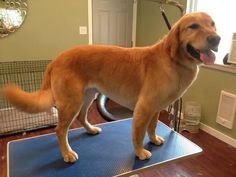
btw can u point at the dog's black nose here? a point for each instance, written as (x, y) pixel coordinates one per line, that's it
(213, 40)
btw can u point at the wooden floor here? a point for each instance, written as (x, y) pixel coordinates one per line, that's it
(218, 159)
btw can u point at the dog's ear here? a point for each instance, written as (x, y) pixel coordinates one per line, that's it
(172, 41)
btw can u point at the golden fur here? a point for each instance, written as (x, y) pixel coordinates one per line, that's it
(145, 79)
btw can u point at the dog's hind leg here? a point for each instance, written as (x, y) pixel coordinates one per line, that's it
(90, 95)
(68, 107)
(158, 140)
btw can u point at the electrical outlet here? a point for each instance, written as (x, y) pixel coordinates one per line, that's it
(83, 30)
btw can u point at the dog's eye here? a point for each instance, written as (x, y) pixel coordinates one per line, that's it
(194, 26)
(212, 23)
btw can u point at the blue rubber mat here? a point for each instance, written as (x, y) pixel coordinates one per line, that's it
(107, 154)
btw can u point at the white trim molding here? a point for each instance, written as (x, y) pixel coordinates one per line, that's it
(134, 25)
(226, 68)
(191, 6)
(218, 135)
(90, 21)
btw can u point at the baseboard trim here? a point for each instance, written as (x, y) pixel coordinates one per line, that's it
(218, 135)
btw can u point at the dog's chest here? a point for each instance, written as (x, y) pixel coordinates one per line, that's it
(175, 88)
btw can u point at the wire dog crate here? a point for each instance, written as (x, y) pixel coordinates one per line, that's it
(27, 75)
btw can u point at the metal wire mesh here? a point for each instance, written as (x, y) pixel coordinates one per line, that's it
(27, 75)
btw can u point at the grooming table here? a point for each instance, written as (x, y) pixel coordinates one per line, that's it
(107, 154)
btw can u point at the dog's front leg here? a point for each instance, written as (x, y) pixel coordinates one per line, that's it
(155, 139)
(141, 119)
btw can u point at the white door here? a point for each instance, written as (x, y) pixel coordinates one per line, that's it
(112, 22)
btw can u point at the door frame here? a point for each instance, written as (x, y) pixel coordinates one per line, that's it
(90, 22)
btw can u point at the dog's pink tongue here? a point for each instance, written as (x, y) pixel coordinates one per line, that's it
(207, 57)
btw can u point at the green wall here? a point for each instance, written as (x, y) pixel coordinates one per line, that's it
(150, 24)
(50, 27)
(206, 91)
(53, 26)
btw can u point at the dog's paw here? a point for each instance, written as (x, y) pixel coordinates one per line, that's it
(143, 154)
(94, 130)
(158, 140)
(70, 157)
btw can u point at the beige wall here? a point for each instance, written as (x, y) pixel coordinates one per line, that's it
(50, 27)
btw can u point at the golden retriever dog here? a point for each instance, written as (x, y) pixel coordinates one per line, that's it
(143, 79)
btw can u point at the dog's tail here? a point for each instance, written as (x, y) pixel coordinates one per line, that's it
(34, 102)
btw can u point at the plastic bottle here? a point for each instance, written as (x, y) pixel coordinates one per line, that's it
(192, 113)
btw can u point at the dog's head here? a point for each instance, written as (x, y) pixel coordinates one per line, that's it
(195, 37)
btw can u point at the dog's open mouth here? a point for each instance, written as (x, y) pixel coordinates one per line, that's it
(206, 56)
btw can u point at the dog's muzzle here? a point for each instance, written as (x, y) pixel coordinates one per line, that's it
(206, 54)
